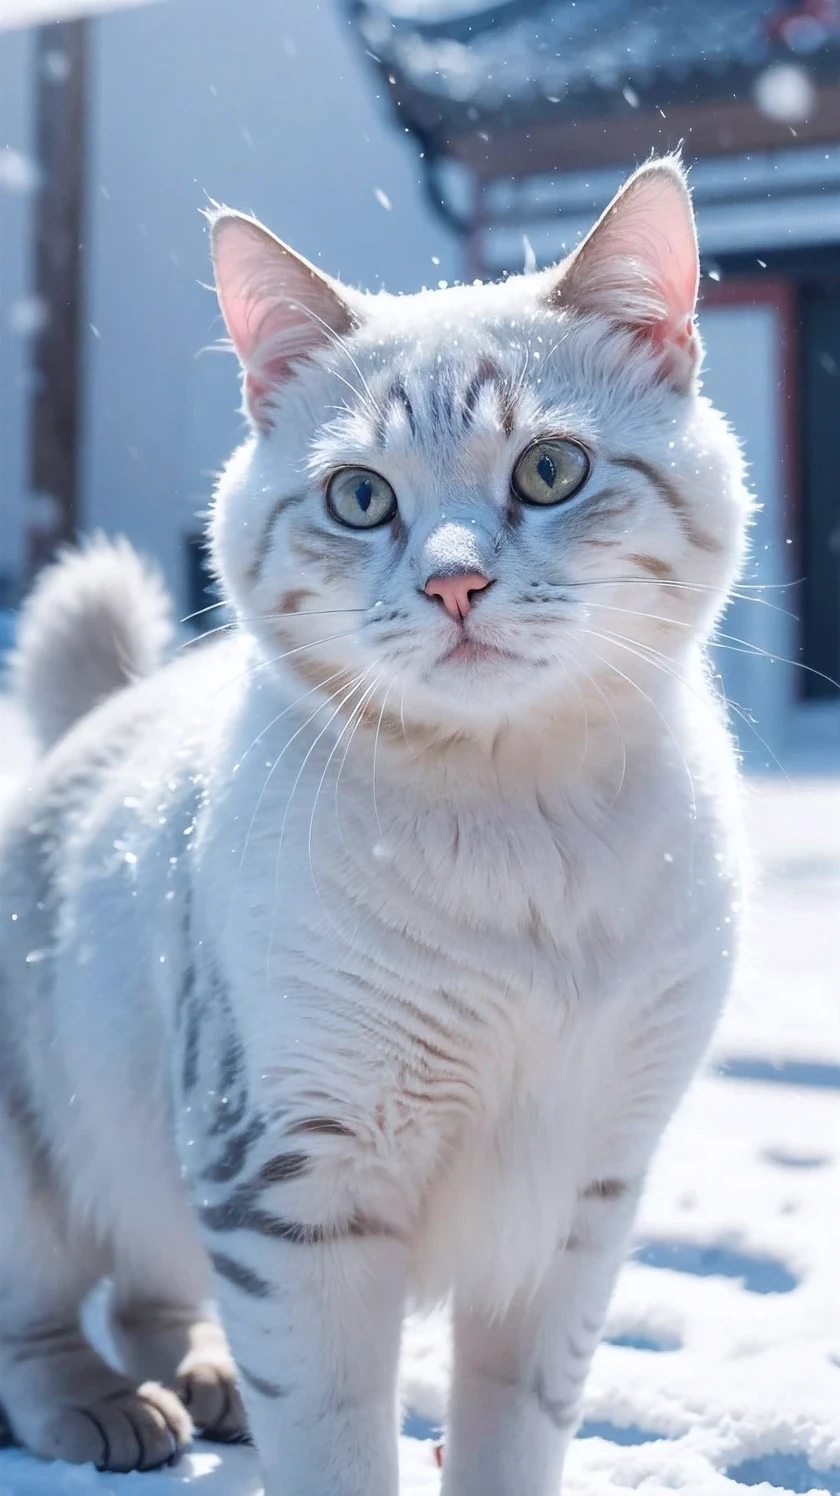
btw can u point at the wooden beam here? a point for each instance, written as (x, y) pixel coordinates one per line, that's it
(60, 83)
(725, 127)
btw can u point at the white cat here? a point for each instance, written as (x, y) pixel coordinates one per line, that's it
(362, 958)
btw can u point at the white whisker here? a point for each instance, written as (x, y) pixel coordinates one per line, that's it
(595, 634)
(310, 750)
(748, 645)
(662, 662)
(739, 592)
(347, 727)
(358, 712)
(620, 730)
(322, 706)
(375, 747)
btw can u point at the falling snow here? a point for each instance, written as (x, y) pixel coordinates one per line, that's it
(720, 1366)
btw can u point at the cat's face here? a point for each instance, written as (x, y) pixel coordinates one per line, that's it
(477, 498)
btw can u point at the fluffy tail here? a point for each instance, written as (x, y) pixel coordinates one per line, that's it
(94, 622)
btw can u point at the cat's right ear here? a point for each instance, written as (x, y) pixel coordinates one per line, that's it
(278, 308)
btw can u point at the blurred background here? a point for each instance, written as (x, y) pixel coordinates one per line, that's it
(402, 143)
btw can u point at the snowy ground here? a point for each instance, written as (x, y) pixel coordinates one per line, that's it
(721, 1364)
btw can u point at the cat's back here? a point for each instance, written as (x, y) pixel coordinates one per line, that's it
(121, 768)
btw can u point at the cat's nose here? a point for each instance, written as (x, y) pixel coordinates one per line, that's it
(457, 592)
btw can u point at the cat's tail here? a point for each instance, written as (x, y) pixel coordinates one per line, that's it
(95, 621)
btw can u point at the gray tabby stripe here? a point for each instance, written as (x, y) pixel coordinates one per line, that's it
(605, 1189)
(284, 1166)
(232, 1161)
(260, 1384)
(264, 543)
(192, 1037)
(326, 1125)
(397, 395)
(240, 1276)
(240, 1213)
(560, 1411)
(671, 495)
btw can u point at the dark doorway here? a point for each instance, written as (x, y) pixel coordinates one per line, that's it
(203, 594)
(820, 362)
(814, 274)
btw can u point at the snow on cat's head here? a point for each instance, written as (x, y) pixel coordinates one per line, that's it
(479, 497)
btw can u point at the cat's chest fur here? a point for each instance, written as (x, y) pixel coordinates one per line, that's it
(449, 926)
(447, 964)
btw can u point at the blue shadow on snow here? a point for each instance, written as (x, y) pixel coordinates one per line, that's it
(596, 1428)
(638, 1341)
(793, 1472)
(414, 1426)
(814, 1073)
(786, 1160)
(758, 1274)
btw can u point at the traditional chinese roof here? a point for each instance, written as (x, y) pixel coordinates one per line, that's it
(456, 65)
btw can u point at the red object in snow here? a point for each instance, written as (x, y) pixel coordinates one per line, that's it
(439, 1456)
(805, 25)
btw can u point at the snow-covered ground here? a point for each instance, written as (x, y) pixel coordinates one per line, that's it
(721, 1363)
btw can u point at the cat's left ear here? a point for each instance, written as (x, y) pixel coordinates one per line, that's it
(640, 268)
(278, 308)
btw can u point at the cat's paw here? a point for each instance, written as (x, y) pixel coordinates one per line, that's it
(210, 1393)
(127, 1430)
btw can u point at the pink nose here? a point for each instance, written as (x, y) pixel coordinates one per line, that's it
(456, 592)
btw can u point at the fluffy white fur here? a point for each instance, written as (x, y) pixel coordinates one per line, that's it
(92, 625)
(369, 952)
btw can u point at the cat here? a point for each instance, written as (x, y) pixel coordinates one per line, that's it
(357, 957)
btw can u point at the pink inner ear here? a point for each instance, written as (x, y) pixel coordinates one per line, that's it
(640, 265)
(661, 222)
(277, 307)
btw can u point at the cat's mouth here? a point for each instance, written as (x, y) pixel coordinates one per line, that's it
(473, 652)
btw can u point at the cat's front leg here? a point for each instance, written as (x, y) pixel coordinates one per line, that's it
(314, 1319)
(518, 1376)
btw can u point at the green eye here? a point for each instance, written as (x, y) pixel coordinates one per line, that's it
(549, 472)
(360, 498)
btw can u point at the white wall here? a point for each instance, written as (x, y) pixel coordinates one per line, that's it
(268, 105)
(16, 183)
(743, 377)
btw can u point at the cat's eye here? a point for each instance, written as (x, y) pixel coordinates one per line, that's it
(548, 472)
(360, 498)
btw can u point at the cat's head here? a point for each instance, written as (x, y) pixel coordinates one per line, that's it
(483, 497)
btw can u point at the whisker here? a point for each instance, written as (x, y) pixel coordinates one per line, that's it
(358, 712)
(322, 706)
(661, 662)
(727, 592)
(290, 708)
(608, 704)
(223, 603)
(222, 628)
(365, 697)
(310, 750)
(749, 645)
(342, 346)
(267, 618)
(268, 661)
(375, 747)
(651, 703)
